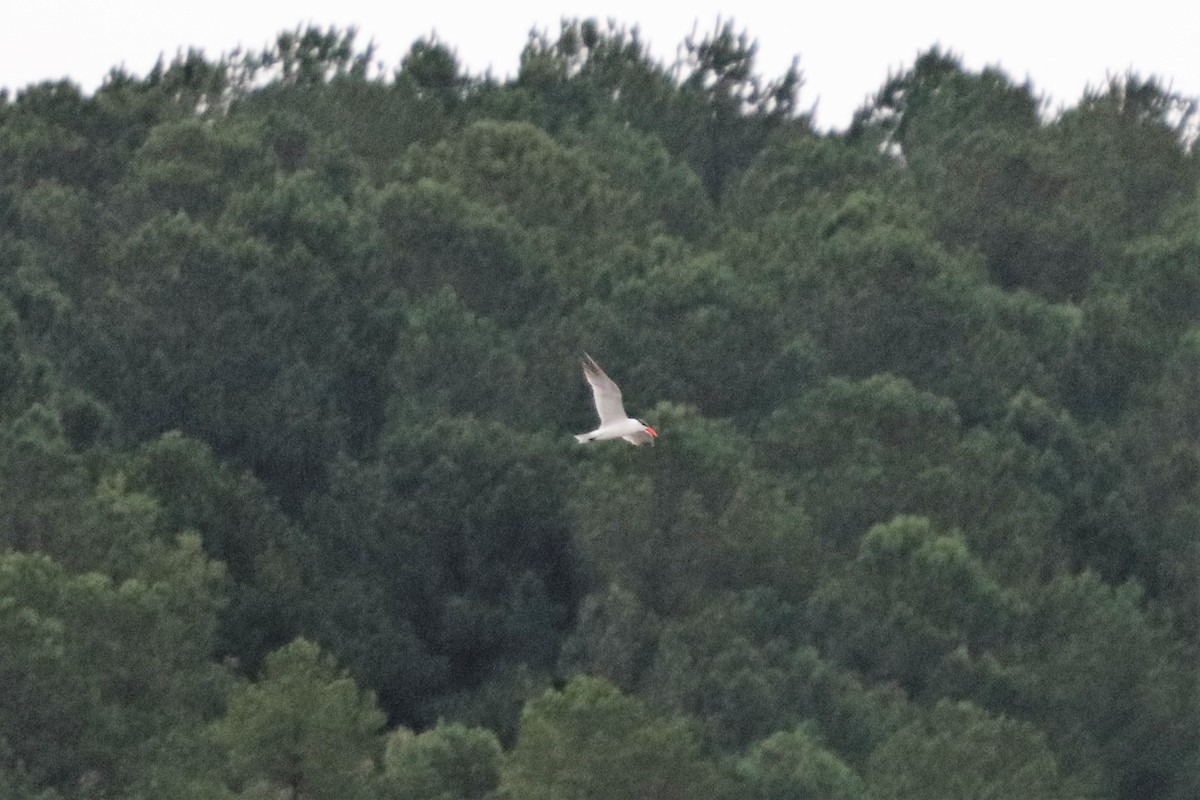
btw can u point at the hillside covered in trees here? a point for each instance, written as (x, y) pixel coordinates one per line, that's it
(290, 505)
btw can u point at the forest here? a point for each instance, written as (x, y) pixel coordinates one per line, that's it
(291, 507)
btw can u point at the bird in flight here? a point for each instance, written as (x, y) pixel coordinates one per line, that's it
(614, 422)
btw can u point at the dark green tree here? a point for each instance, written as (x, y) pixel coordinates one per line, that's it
(991, 175)
(691, 520)
(444, 558)
(1109, 686)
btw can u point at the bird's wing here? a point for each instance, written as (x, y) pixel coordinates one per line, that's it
(607, 395)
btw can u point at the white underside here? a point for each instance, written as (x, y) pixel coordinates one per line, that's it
(628, 429)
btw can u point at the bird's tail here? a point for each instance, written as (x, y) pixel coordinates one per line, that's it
(583, 438)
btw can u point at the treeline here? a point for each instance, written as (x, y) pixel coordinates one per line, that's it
(290, 506)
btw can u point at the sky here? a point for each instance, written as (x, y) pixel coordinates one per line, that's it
(846, 48)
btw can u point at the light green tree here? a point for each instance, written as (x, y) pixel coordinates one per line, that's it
(912, 605)
(303, 728)
(793, 765)
(108, 681)
(959, 751)
(448, 762)
(589, 740)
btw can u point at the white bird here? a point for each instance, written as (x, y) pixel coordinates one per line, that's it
(614, 423)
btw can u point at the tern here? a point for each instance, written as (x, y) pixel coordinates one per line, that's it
(614, 422)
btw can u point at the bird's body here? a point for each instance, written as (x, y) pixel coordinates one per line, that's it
(614, 422)
(631, 430)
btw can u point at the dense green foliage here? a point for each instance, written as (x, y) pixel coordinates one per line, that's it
(290, 506)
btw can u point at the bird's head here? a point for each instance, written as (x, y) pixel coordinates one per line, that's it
(653, 433)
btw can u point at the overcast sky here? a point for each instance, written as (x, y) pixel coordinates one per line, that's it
(846, 47)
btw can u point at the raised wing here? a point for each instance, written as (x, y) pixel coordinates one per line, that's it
(607, 395)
